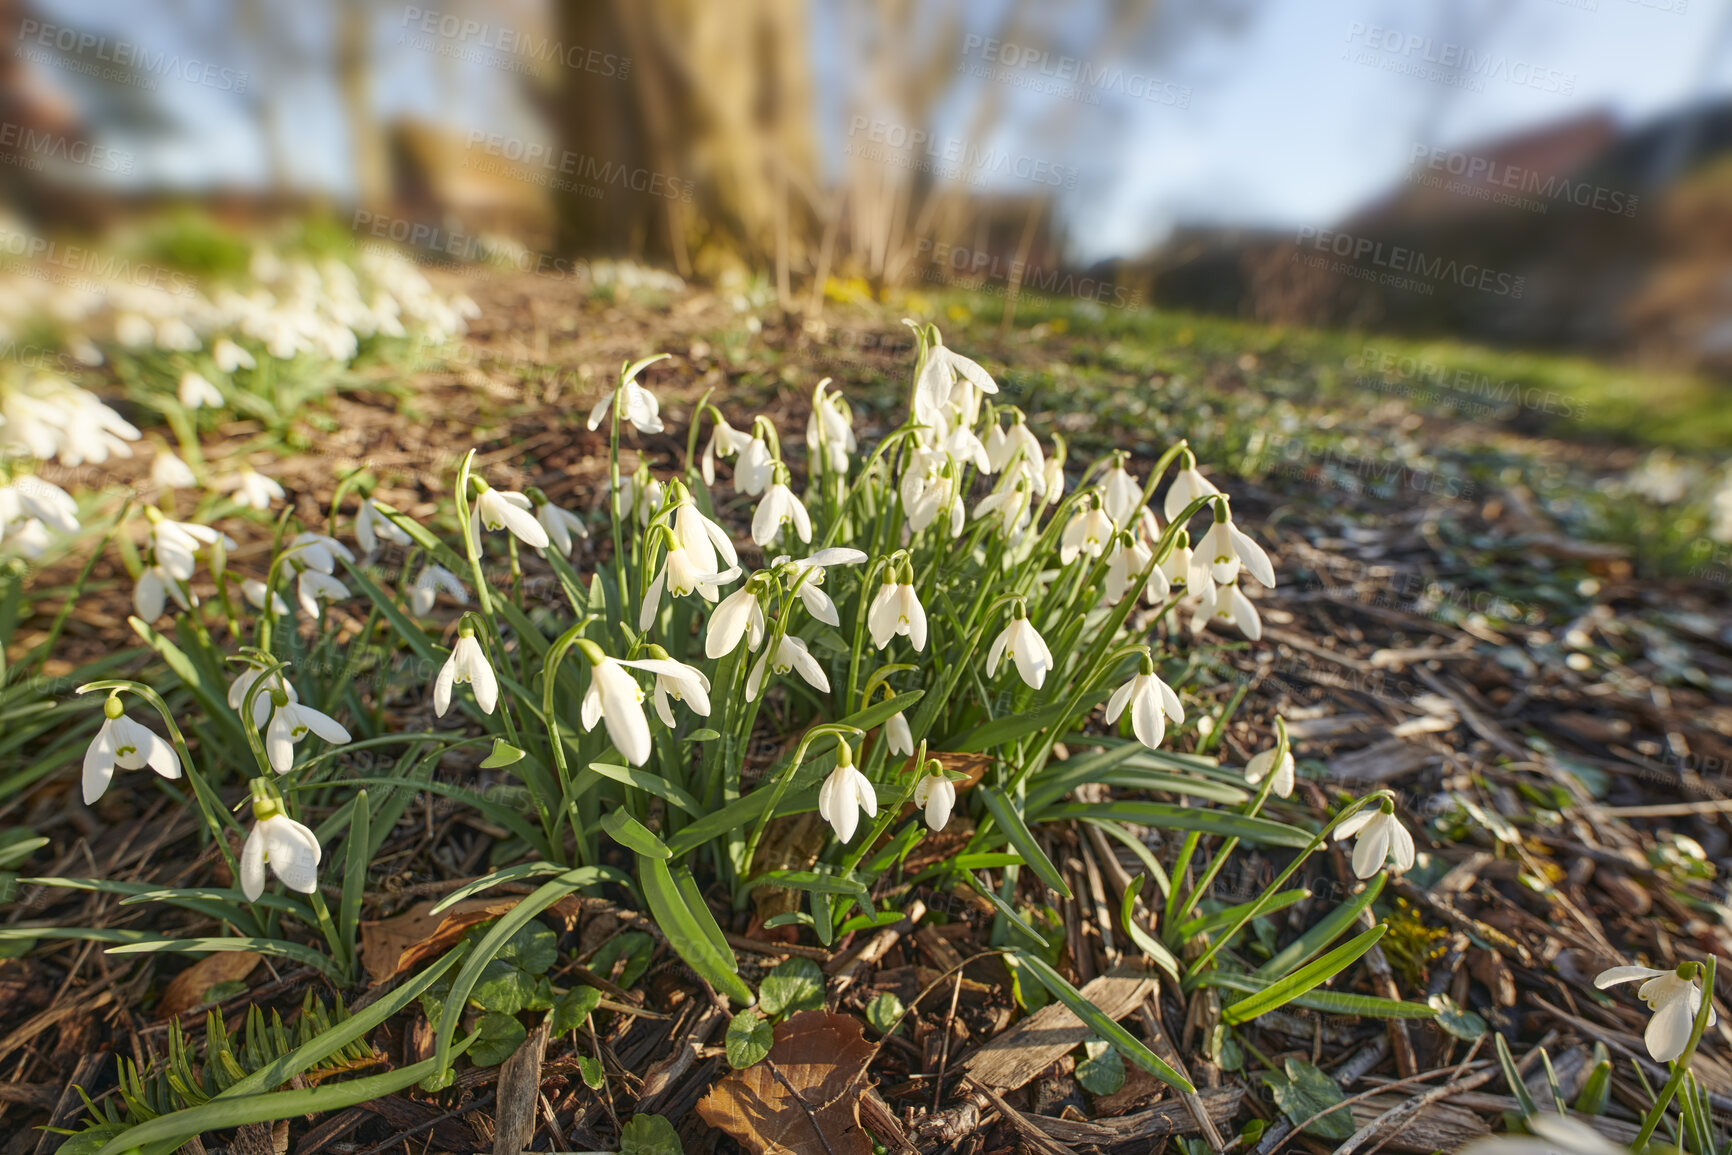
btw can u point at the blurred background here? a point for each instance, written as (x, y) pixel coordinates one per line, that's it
(1551, 174)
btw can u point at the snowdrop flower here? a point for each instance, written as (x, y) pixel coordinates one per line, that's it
(312, 585)
(290, 723)
(936, 794)
(1151, 703)
(1086, 533)
(615, 698)
(752, 473)
(943, 371)
(1260, 765)
(896, 609)
(830, 429)
(1023, 645)
(504, 509)
(788, 655)
(1121, 494)
(681, 575)
(1010, 504)
(898, 737)
(637, 405)
(124, 743)
(845, 794)
(1226, 604)
(317, 551)
(1126, 562)
(1673, 996)
(230, 356)
(725, 441)
(698, 535)
(32, 498)
(1381, 836)
(677, 681)
(372, 526)
(174, 543)
(561, 524)
(151, 592)
(169, 472)
(778, 508)
(1177, 568)
(264, 701)
(808, 576)
(254, 591)
(195, 392)
(467, 665)
(254, 490)
(289, 848)
(739, 616)
(428, 583)
(1225, 547)
(930, 494)
(1551, 1135)
(1017, 445)
(1187, 487)
(641, 497)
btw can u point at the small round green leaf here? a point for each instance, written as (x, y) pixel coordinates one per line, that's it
(1102, 1072)
(749, 1039)
(500, 1036)
(884, 1012)
(572, 1009)
(796, 985)
(649, 1135)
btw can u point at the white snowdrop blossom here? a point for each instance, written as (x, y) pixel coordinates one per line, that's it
(1121, 495)
(254, 591)
(123, 743)
(778, 508)
(1010, 504)
(468, 666)
(1260, 766)
(845, 795)
(151, 592)
(637, 405)
(752, 472)
(317, 551)
(739, 616)
(706, 542)
(289, 848)
(1022, 644)
(725, 441)
(681, 575)
(898, 736)
(808, 576)
(1550, 1135)
(1151, 701)
(290, 723)
(563, 527)
(497, 509)
(1126, 562)
(615, 699)
(896, 609)
(1226, 604)
(1187, 487)
(830, 429)
(678, 682)
(641, 497)
(254, 490)
(230, 356)
(1381, 837)
(1675, 998)
(789, 655)
(373, 527)
(428, 584)
(311, 587)
(264, 701)
(1086, 533)
(939, 377)
(936, 795)
(174, 543)
(196, 393)
(1225, 548)
(30, 498)
(167, 471)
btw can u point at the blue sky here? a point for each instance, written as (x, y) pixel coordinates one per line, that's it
(1284, 127)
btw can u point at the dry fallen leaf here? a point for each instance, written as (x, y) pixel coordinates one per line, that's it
(186, 990)
(394, 945)
(810, 1083)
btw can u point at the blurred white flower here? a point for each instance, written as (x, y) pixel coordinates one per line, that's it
(196, 393)
(254, 490)
(1086, 533)
(562, 526)
(151, 592)
(637, 406)
(1121, 494)
(428, 583)
(1187, 487)
(1259, 766)
(898, 736)
(230, 356)
(1225, 604)
(504, 509)
(372, 526)
(725, 441)
(168, 471)
(311, 586)
(254, 591)
(318, 551)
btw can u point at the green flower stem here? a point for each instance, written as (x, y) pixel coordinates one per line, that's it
(1220, 858)
(781, 788)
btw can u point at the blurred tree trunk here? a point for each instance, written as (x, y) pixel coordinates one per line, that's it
(711, 101)
(355, 79)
